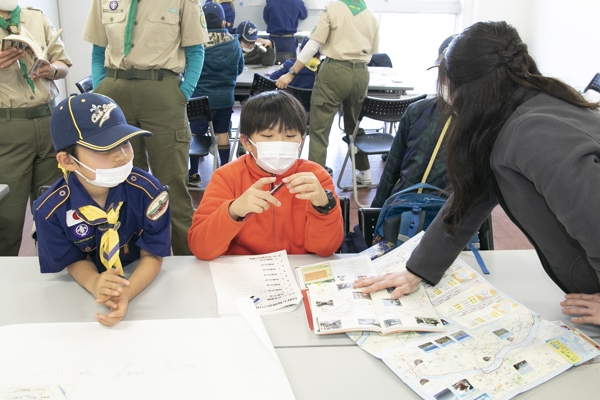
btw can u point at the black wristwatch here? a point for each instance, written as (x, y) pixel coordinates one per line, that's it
(292, 72)
(329, 206)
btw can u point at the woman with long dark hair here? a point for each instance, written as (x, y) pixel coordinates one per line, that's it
(527, 142)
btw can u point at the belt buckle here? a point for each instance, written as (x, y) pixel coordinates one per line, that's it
(130, 73)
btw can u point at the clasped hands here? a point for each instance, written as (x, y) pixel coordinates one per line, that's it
(109, 290)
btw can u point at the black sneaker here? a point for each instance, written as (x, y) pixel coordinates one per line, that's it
(329, 171)
(194, 180)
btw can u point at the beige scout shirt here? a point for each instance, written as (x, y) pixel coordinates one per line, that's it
(162, 29)
(345, 36)
(14, 90)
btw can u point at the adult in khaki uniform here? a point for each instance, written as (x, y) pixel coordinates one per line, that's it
(140, 49)
(348, 33)
(27, 158)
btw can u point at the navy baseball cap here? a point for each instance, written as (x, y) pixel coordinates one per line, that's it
(90, 120)
(248, 31)
(443, 47)
(215, 9)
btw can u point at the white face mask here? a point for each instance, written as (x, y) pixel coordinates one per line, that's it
(276, 157)
(8, 5)
(107, 177)
(246, 50)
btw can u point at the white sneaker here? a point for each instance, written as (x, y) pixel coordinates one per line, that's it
(363, 177)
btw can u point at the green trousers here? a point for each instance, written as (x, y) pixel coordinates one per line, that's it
(160, 107)
(27, 161)
(338, 82)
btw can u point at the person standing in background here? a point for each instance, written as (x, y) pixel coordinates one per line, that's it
(223, 62)
(140, 50)
(27, 158)
(229, 10)
(281, 17)
(348, 34)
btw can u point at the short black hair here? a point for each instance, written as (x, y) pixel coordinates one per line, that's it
(213, 21)
(71, 150)
(272, 109)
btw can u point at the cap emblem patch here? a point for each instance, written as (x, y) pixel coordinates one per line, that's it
(101, 113)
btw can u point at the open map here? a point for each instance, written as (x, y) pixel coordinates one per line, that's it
(493, 347)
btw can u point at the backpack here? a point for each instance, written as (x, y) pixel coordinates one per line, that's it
(408, 212)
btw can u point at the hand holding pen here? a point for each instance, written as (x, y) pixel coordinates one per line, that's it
(254, 200)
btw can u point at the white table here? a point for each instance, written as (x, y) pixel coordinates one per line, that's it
(318, 367)
(383, 82)
(3, 190)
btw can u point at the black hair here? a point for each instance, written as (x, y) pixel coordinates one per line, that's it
(213, 21)
(489, 74)
(70, 150)
(272, 109)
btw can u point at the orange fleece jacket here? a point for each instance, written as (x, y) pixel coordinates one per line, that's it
(295, 226)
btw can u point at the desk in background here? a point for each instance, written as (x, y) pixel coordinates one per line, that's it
(383, 82)
(3, 190)
(318, 367)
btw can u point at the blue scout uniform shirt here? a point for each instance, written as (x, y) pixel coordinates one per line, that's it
(63, 236)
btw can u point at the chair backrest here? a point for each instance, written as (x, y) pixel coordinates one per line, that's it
(380, 60)
(261, 84)
(302, 95)
(85, 85)
(282, 56)
(345, 206)
(594, 84)
(198, 107)
(388, 110)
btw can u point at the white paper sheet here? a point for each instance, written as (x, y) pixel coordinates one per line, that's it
(266, 277)
(161, 359)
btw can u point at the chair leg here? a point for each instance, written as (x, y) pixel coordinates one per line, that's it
(235, 142)
(214, 148)
(355, 186)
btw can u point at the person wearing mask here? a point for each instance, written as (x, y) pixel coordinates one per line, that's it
(348, 34)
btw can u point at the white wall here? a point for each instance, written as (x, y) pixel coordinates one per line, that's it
(562, 35)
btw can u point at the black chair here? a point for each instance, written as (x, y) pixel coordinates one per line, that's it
(85, 85)
(594, 84)
(345, 206)
(282, 56)
(197, 108)
(367, 220)
(303, 96)
(261, 84)
(386, 110)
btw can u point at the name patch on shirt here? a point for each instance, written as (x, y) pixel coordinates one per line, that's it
(158, 207)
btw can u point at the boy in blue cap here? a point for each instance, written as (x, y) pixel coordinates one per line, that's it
(256, 50)
(223, 62)
(104, 213)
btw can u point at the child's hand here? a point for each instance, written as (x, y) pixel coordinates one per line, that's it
(307, 187)
(108, 284)
(254, 200)
(118, 308)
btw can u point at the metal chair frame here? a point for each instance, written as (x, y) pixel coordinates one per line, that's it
(197, 108)
(379, 109)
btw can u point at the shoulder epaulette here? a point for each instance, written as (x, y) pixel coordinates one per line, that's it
(53, 200)
(147, 184)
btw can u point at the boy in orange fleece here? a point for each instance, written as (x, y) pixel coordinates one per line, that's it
(242, 213)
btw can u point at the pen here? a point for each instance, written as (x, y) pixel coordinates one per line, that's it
(272, 192)
(275, 189)
(255, 299)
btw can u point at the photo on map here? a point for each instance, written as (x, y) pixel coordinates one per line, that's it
(427, 347)
(324, 303)
(460, 335)
(444, 341)
(329, 325)
(391, 302)
(361, 296)
(391, 322)
(463, 387)
(523, 367)
(445, 394)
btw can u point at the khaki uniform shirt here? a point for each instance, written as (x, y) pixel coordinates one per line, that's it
(345, 36)
(14, 90)
(162, 29)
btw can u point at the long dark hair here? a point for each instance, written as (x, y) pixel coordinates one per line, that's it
(489, 74)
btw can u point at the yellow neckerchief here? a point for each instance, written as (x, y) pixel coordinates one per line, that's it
(109, 243)
(313, 64)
